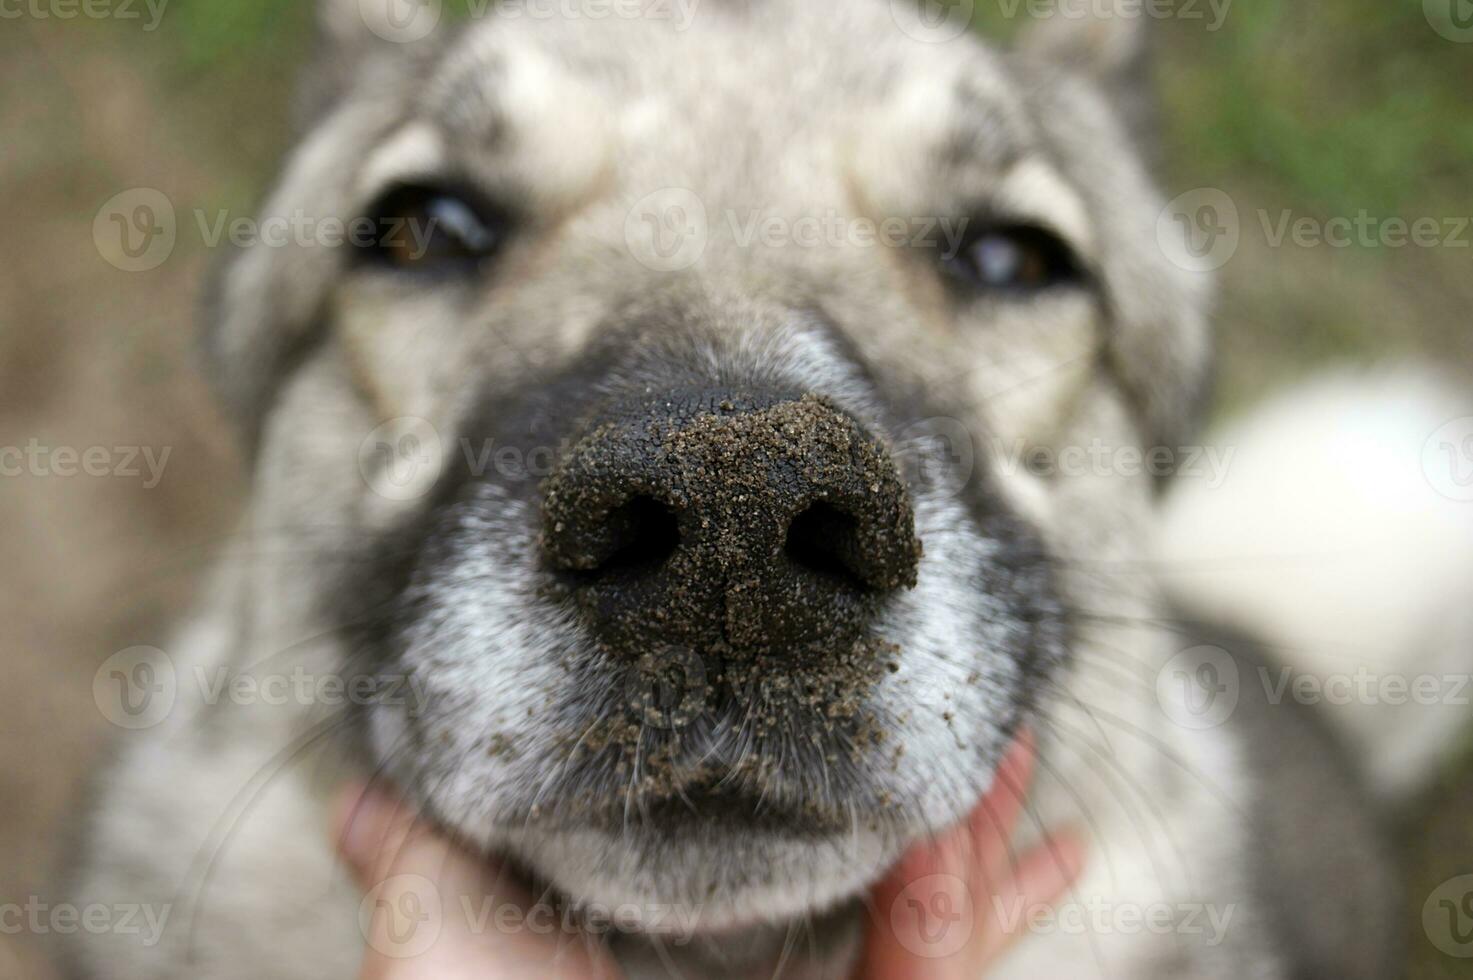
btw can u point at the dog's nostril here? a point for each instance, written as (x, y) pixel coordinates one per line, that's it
(642, 534)
(825, 540)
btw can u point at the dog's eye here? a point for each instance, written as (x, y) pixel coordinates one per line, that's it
(1015, 258)
(420, 227)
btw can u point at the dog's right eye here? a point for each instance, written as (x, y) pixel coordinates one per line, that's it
(425, 228)
(1015, 259)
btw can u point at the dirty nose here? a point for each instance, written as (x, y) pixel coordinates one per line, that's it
(730, 520)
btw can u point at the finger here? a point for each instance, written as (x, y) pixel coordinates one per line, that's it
(434, 912)
(939, 921)
(937, 911)
(994, 818)
(1040, 879)
(376, 832)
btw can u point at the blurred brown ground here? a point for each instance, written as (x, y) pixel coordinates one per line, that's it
(93, 356)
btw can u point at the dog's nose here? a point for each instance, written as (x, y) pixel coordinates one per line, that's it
(759, 523)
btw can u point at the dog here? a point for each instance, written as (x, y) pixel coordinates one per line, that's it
(678, 475)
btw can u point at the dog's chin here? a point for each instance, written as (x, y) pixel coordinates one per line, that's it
(705, 881)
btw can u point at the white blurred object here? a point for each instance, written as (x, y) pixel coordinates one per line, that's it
(1343, 535)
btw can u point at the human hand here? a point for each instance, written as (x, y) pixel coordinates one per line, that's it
(934, 913)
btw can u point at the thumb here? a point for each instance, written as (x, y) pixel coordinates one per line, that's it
(432, 911)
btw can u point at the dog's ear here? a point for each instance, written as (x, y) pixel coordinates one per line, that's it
(265, 303)
(356, 37)
(1108, 42)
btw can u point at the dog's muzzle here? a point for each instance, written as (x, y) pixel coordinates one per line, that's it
(729, 522)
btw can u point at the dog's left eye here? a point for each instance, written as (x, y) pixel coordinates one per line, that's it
(421, 227)
(1015, 259)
